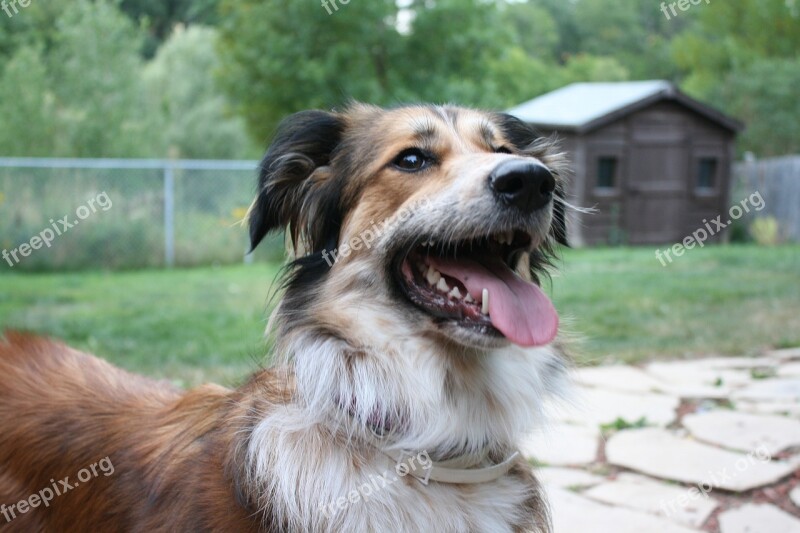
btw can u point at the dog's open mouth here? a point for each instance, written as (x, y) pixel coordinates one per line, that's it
(473, 284)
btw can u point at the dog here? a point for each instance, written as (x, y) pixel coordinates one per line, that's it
(413, 348)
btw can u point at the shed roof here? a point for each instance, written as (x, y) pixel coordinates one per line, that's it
(582, 107)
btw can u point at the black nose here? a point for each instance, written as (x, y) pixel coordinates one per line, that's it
(525, 185)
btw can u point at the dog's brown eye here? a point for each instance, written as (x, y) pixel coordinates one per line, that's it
(503, 150)
(412, 160)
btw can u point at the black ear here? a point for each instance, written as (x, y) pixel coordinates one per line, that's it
(521, 134)
(294, 183)
(528, 140)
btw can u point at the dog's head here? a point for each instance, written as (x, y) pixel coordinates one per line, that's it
(439, 219)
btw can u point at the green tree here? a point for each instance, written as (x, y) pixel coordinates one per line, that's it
(26, 106)
(535, 29)
(181, 82)
(732, 36)
(160, 17)
(764, 96)
(96, 79)
(635, 34)
(280, 56)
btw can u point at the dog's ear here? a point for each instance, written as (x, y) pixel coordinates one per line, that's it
(294, 184)
(529, 141)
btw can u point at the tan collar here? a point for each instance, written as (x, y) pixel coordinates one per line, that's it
(444, 472)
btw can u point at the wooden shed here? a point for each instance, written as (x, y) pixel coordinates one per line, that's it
(652, 161)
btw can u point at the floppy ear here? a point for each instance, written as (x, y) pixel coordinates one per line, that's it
(530, 142)
(294, 183)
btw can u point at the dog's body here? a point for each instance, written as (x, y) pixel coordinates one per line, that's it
(383, 330)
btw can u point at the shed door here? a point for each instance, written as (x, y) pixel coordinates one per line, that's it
(656, 184)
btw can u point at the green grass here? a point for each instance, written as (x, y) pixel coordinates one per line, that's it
(207, 324)
(735, 300)
(186, 325)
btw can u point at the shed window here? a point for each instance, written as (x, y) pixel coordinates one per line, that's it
(607, 172)
(707, 173)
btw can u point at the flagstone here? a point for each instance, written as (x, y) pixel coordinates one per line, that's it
(618, 377)
(679, 504)
(659, 453)
(786, 354)
(562, 445)
(573, 513)
(779, 389)
(758, 518)
(566, 478)
(700, 374)
(787, 408)
(595, 407)
(789, 370)
(744, 431)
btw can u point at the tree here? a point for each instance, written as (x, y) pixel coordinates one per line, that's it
(181, 82)
(160, 17)
(95, 77)
(731, 37)
(281, 56)
(26, 106)
(764, 96)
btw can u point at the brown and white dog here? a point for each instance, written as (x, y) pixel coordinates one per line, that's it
(411, 326)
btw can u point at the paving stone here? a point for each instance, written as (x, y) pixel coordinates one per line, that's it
(562, 445)
(744, 431)
(566, 478)
(618, 377)
(758, 518)
(573, 513)
(736, 362)
(790, 408)
(594, 407)
(700, 375)
(779, 389)
(679, 504)
(659, 453)
(787, 354)
(789, 370)
(795, 495)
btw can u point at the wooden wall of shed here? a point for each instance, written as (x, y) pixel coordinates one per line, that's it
(664, 139)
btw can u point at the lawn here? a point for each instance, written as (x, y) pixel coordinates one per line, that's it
(207, 323)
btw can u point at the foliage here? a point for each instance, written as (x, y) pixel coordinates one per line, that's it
(95, 79)
(136, 77)
(766, 231)
(161, 16)
(26, 106)
(180, 79)
(764, 96)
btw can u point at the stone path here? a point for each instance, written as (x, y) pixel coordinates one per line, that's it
(708, 445)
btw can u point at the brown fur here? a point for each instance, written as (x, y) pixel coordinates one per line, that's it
(174, 454)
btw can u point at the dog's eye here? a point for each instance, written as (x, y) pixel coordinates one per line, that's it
(412, 160)
(503, 150)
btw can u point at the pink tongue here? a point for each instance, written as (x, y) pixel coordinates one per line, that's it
(518, 308)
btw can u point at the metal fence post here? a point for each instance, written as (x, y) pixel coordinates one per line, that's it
(169, 216)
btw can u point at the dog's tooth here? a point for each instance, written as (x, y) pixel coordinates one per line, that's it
(469, 299)
(455, 294)
(485, 302)
(433, 276)
(443, 286)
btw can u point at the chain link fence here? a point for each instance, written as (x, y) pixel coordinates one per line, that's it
(71, 214)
